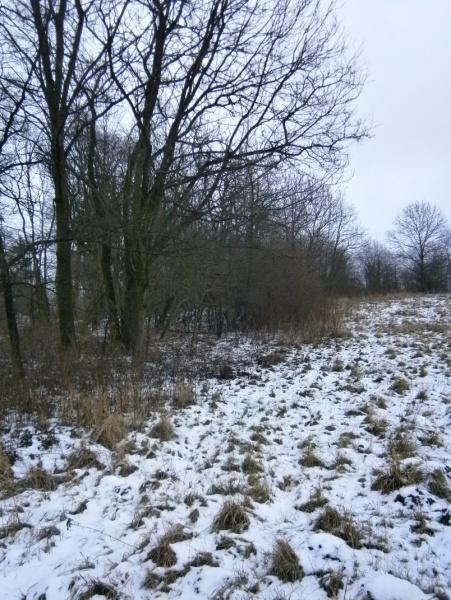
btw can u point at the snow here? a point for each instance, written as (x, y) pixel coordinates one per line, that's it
(315, 395)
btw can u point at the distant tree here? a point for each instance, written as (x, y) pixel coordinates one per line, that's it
(420, 239)
(379, 268)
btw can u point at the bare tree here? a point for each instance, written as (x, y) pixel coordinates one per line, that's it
(215, 86)
(50, 38)
(420, 239)
(379, 268)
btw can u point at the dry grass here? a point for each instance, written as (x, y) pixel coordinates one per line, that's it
(332, 582)
(396, 477)
(163, 429)
(316, 500)
(233, 516)
(285, 563)
(401, 445)
(438, 485)
(183, 394)
(38, 478)
(162, 554)
(250, 465)
(259, 489)
(431, 438)
(83, 458)
(375, 425)
(341, 525)
(310, 458)
(95, 587)
(400, 385)
(112, 431)
(346, 439)
(13, 527)
(6, 474)
(228, 488)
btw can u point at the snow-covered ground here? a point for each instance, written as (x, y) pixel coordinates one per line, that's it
(302, 430)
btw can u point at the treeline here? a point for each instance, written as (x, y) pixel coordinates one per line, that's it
(416, 257)
(168, 163)
(136, 139)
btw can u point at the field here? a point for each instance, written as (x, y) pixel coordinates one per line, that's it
(306, 471)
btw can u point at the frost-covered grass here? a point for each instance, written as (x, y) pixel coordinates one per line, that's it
(322, 475)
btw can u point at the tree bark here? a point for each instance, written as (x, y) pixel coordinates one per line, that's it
(63, 246)
(10, 311)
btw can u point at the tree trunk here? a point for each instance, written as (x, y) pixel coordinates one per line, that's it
(64, 293)
(135, 287)
(109, 291)
(10, 311)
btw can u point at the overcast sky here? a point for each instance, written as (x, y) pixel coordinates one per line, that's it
(406, 48)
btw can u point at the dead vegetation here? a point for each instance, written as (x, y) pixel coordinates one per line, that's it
(6, 474)
(95, 587)
(233, 516)
(37, 478)
(401, 444)
(438, 485)
(259, 489)
(396, 476)
(285, 563)
(400, 385)
(316, 500)
(162, 554)
(341, 525)
(183, 394)
(332, 582)
(163, 429)
(310, 458)
(112, 431)
(83, 458)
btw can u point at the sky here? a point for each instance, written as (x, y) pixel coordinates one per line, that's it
(405, 47)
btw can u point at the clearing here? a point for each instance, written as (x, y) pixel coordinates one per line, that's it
(310, 471)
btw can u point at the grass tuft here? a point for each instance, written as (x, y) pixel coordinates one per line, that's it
(233, 516)
(438, 485)
(400, 385)
(340, 525)
(112, 431)
(285, 563)
(163, 429)
(183, 395)
(6, 474)
(396, 477)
